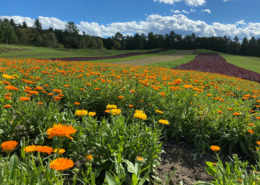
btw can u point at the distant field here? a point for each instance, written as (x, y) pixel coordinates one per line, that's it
(11, 51)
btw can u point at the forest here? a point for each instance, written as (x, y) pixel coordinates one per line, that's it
(71, 37)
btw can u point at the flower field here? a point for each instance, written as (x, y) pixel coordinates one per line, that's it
(95, 123)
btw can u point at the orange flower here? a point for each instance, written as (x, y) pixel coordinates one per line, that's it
(61, 164)
(214, 148)
(8, 97)
(8, 94)
(251, 124)
(236, 114)
(250, 131)
(89, 158)
(97, 89)
(258, 142)
(7, 106)
(61, 131)
(57, 98)
(162, 94)
(107, 111)
(24, 98)
(209, 94)
(46, 85)
(76, 103)
(131, 106)
(9, 146)
(50, 94)
(57, 90)
(240, 180)
(40, 103)
(66, 85)
(229, 108)
(220, 112)
(120, 97)
(132, 91)
(34, 92)
(31, 148)
(45, 149)
(258, 118)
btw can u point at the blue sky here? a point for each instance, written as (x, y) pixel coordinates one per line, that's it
(106, 17)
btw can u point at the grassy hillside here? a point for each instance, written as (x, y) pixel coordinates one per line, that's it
(14, 51)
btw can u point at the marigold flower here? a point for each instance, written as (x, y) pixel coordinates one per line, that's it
(8, 97)
(140, 115)
(97, 88)
(57, 98)
(158, 111)
(61, 164)
(24, 98)
(139, 159)
(115, 111)
(258, 142)
(66, 85)
(111, 107)
(132, 91)
(236, 114)
(8, 76)
(214, 164)
(240, 180)
(164, 122)
(209, 94)
(92, 113)
(61, 131)
(214, 148)
(57, 90)
(162, 94)
(89, 158)
(31, 148)
(33, 92)
(61, 151)
(250, 131)
(258, 118)
(229, 108)
(131, 106)
(250, 124)
(76, 103)
(9, 146)
(44, 149)
(120, 97)
(220, 112)
(107, 111)
(81, 113)
(50, 94)
(8, 94)
(7, 106)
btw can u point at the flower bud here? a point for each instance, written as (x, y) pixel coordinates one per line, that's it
(139, 160)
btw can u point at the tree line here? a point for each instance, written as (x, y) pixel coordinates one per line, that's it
(70, 37)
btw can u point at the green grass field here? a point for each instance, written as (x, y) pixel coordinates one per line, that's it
(15, 51)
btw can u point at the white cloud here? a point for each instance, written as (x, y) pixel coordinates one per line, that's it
(185, 12)
(175, 11)
(192, 10)
(153, 23)
(188, 2)
(240, 22)
(206, 10)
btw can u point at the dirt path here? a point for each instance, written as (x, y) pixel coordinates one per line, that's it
(162, 58)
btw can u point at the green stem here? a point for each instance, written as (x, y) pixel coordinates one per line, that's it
(40, 159)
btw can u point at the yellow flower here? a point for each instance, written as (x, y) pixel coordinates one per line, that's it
(92, 113)
(115, 111)
(140, 115)
(8, 76)
(61, 151)
(111, 107)
(81, 113)
(164, 122)
(61, 131)
(158, 111)
(89, 158)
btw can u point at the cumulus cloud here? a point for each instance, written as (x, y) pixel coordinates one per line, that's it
(188, 2)
(240, 22)
(175, 11)
(157, 24)
(185, 12)
(206, 10)
(192, 10)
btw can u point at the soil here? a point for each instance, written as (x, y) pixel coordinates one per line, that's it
(214, 63)
(108, 57)
(154, 59)
(189, 171)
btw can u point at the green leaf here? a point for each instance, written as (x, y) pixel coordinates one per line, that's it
(110, 179)
(144, 178)
(13, 164)
(130, 166)
(92, 178)
(211, 171)
(134, 180)
(157, 179)
(202, 183)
